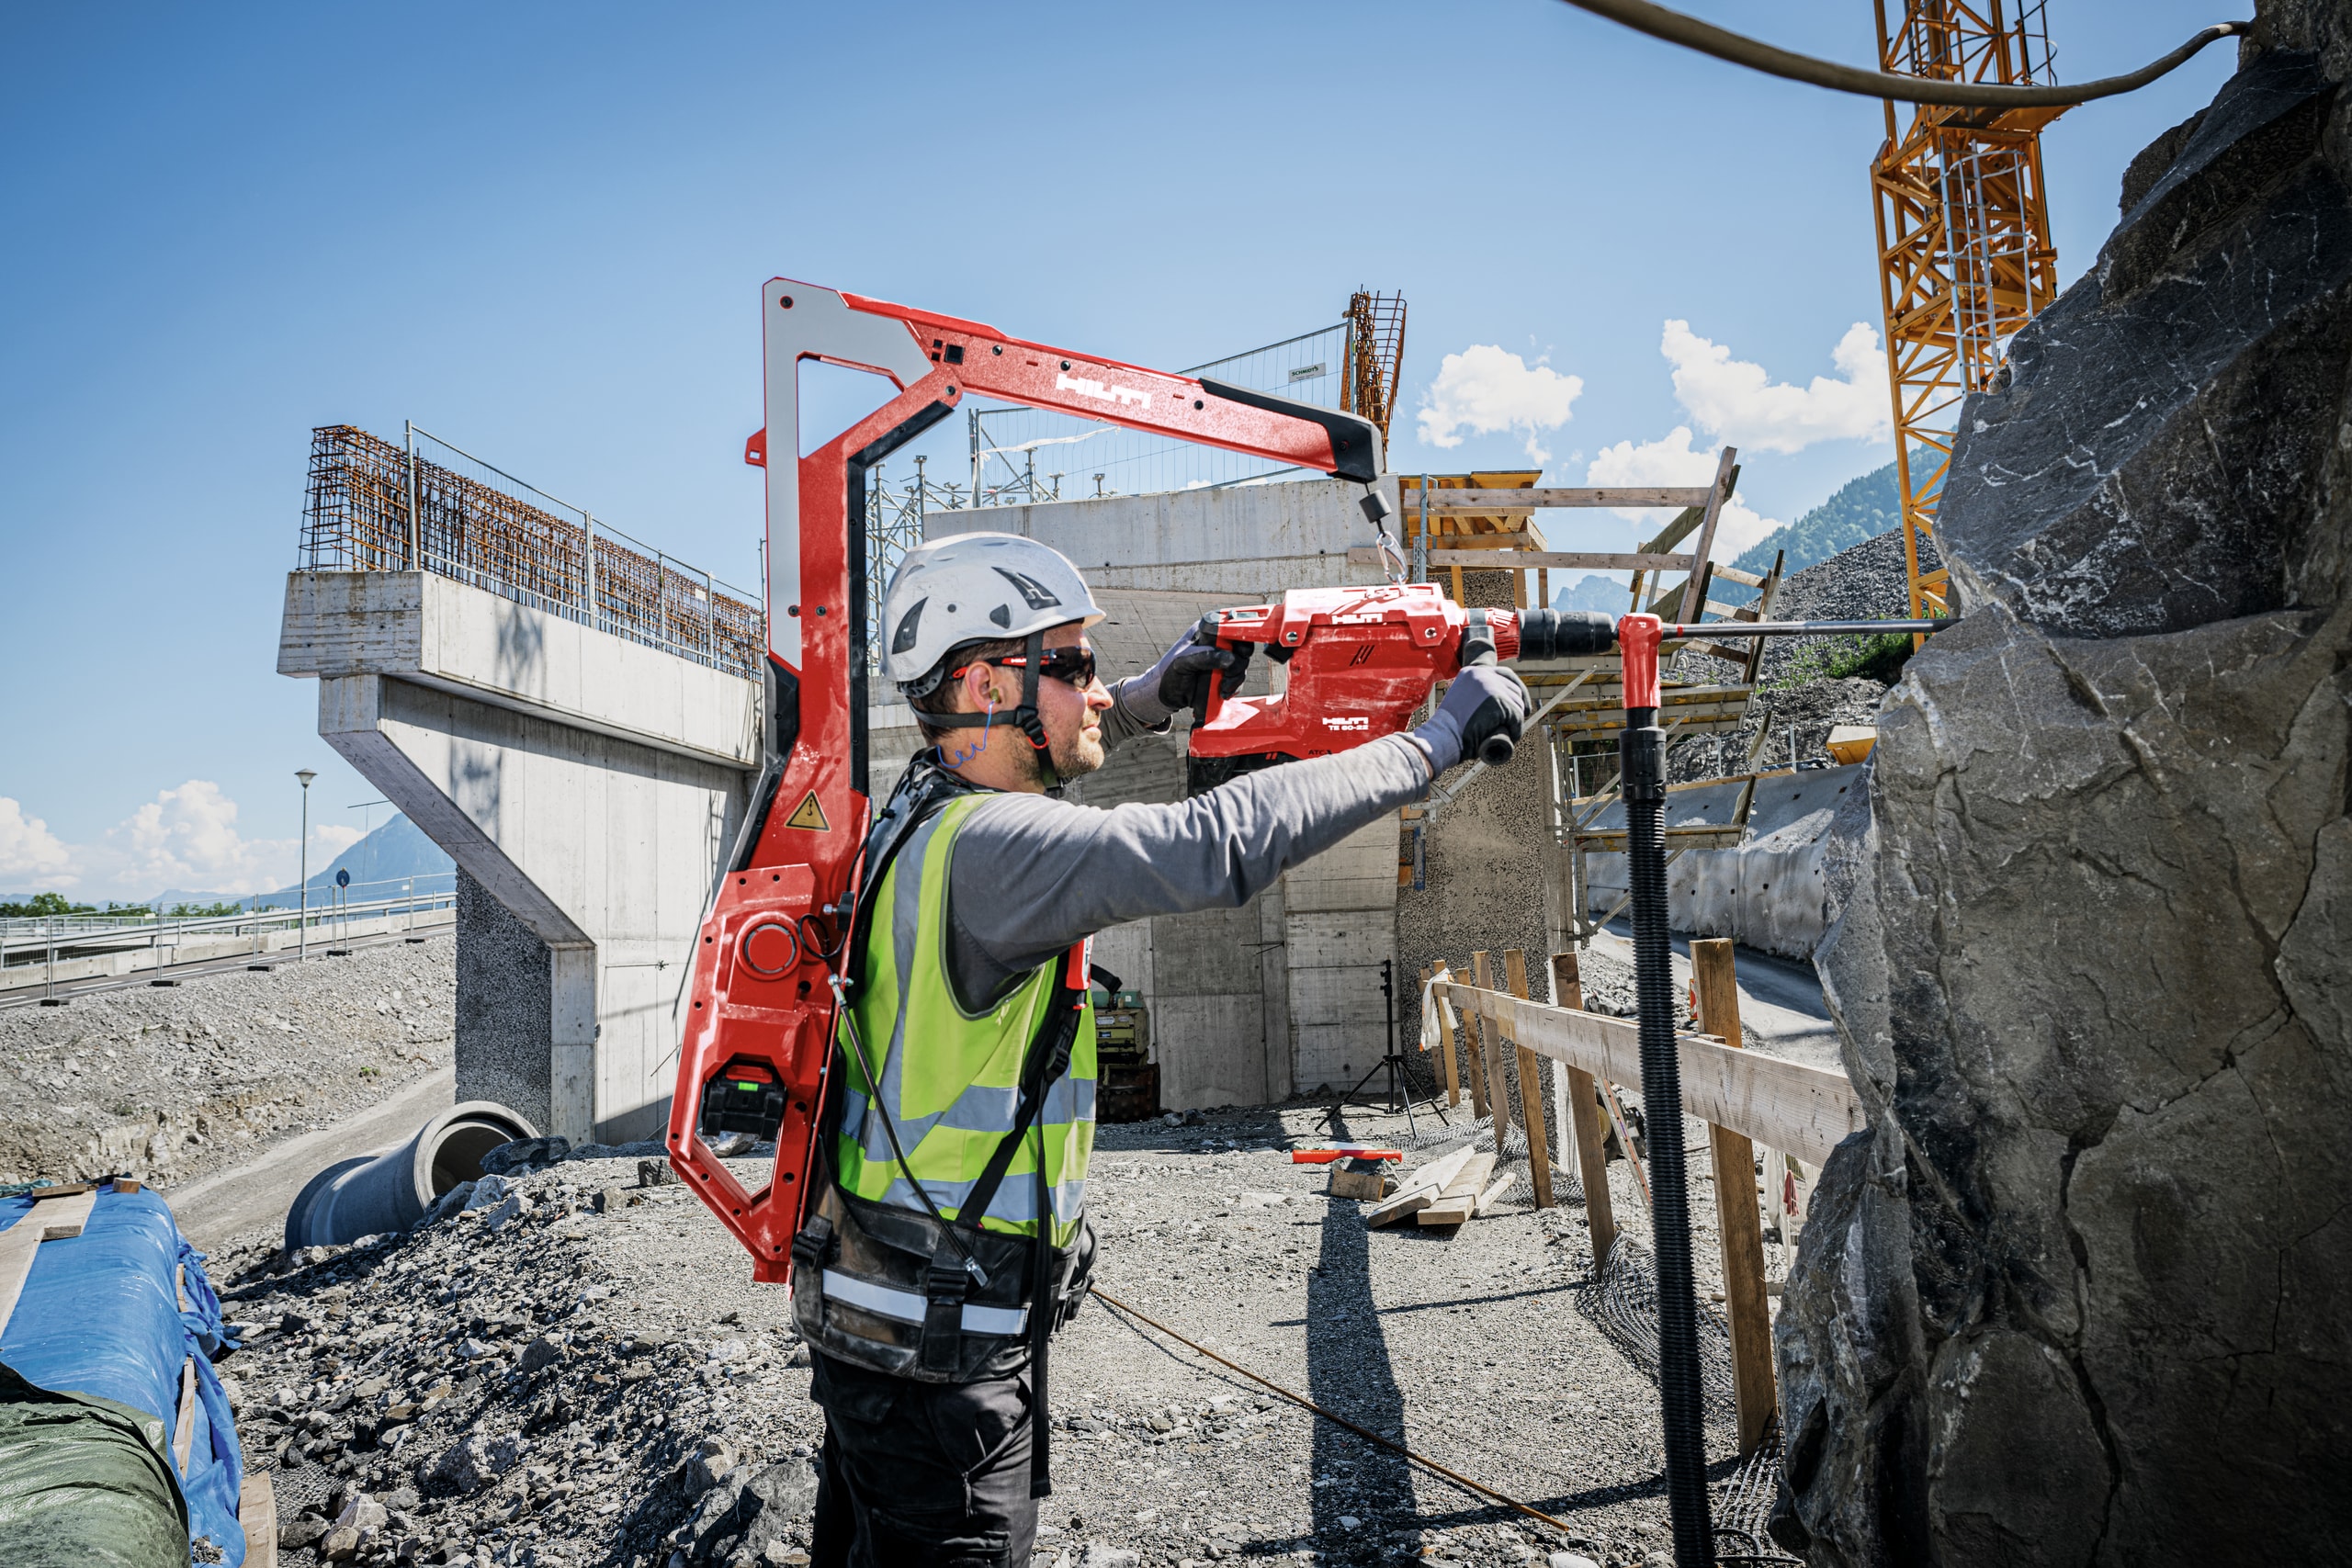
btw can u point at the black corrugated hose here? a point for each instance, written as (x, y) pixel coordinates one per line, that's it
(1642, 763)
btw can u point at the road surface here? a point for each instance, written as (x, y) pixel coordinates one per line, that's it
(255, 1196)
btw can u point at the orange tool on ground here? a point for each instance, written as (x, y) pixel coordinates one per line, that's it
(1327, 1157)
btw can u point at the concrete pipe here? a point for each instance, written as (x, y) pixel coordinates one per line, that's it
(373, 1194)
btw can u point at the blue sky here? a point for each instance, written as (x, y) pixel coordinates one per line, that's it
(540, 231)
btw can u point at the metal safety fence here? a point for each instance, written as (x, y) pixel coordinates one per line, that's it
(375, 506)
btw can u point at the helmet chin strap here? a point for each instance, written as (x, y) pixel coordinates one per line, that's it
(1025, 715)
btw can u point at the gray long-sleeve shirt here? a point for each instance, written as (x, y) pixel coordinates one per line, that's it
(1032, 875)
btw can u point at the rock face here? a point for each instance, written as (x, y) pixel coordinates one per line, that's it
(2083, 1294)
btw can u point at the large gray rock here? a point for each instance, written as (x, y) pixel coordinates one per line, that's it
(2083, 1292)
(2166, 444)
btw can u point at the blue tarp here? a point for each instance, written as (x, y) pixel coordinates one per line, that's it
(100, 1315)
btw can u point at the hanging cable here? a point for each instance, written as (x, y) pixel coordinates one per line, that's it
(1477, 1488)
(1707, 39)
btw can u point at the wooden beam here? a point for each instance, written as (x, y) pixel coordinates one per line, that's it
(1419, 1189)
(1530, 1090)
(1459, 1200)
(1513, 560)
(1738, 1227)
(1490, 1053)
(1477, 1057)
(1782, 1104)
(1522, 500)
(56, 1221)
(1582, 1121)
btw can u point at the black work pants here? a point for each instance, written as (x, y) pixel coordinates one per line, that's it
(919, 1474)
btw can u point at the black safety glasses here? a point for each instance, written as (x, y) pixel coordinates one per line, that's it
(1074, 666)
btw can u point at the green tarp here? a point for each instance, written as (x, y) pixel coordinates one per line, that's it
(85, 1482)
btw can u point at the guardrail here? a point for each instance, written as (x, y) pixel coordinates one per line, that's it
(24, 940)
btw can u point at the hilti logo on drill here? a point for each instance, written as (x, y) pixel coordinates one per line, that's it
(1331, 723)
(1085, 388)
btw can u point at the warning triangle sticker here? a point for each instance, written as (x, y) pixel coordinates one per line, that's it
(810, 815)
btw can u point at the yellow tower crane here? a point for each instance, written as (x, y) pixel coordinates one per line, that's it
(1966, 256)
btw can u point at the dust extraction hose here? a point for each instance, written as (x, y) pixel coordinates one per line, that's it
(1641, 765)
(1707, 39)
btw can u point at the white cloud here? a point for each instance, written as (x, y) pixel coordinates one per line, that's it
(1671, 461)
(1486, 388)
(1736, 400)
(29, 852)
(186, 838)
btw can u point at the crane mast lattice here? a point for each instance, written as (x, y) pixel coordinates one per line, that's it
(1966, 256)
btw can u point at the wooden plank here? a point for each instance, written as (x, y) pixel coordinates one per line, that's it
(1477, 1057)
(257, 1513)
(1520, 539)
(1738, 1227)
(1445, 1051)
(1781, 1104)
(1494, 1194)
(1459, 1200)
(1419, 1189)
(1582, 1122)
(1491, 1056)
(1745, 579)
(1513, 560)
(1726, 475)
(1530, 1090)
(21, 1242)
(1443, 501)
(1625, 1137)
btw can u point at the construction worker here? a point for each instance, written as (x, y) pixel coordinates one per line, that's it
(949, 1237)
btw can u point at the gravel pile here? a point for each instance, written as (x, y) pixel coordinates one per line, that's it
(578, 1371)
(1866, 582)
(169, 1083)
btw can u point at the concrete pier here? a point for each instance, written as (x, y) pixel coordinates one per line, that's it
(589, 788)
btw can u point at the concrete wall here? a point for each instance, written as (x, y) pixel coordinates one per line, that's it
(1771, 892)
(588, 788)
(1240, 545)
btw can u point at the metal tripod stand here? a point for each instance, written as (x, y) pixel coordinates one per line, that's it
(1399, 1095)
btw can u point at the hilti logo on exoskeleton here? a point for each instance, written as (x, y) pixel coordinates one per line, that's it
(1330, 722)
(1086, 387)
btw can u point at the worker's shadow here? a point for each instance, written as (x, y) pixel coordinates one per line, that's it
(1348, 1372)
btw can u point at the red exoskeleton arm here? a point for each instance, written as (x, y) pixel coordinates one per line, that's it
(757, 1050)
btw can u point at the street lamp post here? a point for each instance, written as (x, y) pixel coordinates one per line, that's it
(303, 893)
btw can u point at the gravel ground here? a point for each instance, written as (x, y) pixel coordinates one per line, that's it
(169, 1083)
(533, 1381)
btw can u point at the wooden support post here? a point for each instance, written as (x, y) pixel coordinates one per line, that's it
(1491, 1054)
(1584, 1121)
(1474, 1031)
(1736, 1221)
(1445, 1035)
(1530, 1090)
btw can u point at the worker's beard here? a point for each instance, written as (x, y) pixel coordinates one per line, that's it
(1074, 758)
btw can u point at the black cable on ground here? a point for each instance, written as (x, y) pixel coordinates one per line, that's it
(1707, 39)
(1641, 765)
(1478, 1488)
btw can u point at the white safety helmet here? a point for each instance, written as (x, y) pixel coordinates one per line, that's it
(974, 588)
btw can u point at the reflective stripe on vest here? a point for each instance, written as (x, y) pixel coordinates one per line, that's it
(951, 1082)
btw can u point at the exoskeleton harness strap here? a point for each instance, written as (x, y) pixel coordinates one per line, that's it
(1024, 717)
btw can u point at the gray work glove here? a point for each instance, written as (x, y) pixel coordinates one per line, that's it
(1484, 699)
(1181, 680)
